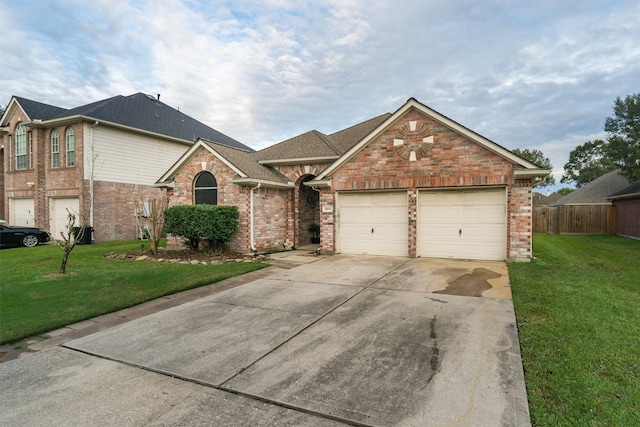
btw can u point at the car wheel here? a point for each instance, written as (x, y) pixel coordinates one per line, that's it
(29, 240)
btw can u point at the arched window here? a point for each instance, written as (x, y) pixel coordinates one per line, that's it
(55, 149)
(21, 148)
(206, 189)
(71, 147)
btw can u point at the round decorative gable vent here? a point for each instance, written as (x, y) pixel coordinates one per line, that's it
(413, 141)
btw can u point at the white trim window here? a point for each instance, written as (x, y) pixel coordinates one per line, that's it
(10, 153)
(205, 189)
(71, 147)
(30, 150)
(21, 148)
(55, 149)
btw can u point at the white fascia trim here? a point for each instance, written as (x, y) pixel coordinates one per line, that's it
(188, 156)
(529, 174)
(263, 183)
(75, 119)
(412, 103)
(318, 183)
(297, 161)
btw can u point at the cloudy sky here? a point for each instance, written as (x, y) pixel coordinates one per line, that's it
(525, 74)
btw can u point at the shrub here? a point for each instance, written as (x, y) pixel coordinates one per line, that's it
(193, 222)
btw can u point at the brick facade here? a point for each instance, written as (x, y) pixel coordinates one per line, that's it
(450, 161)
(282, 216)
(272, 207)
(114, 212)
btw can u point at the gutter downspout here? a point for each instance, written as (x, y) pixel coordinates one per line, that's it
(91, 174)
(251, 225)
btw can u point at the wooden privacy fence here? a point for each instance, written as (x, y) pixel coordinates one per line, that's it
(577, 219)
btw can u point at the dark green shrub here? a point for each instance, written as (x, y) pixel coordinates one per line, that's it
(193, 222)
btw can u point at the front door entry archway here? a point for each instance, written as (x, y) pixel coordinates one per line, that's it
(307, 210)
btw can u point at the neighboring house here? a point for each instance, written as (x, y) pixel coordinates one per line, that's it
(540, 199)
(96, 160)
(596, 192)
(627, 203)
(586, 210)
(412, 183)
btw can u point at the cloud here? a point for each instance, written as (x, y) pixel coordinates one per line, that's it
(538, 75)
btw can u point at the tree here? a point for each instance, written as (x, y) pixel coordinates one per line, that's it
(69, 239)
(537, 158)
(565, 190)
(153, 210)
(588, 162)
(623, 130)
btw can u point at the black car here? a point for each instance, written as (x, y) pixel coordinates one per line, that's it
(11, 237)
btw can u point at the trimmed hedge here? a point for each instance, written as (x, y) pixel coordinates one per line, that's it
(193, 222)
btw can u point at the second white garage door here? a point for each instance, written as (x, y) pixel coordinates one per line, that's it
(464, 224)
(59, 214)
(373, 223)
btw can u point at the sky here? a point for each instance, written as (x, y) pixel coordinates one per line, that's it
(525, 74)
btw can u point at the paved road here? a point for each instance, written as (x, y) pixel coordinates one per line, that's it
(341, 341)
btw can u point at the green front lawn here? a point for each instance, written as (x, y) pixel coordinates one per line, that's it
(33, 300)
(578, 312)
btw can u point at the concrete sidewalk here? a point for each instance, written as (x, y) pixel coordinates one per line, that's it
(344, 340)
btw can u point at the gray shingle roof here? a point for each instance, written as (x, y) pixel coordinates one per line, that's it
(247, 163)
(347, 138)
(138, 111)
(317, 144)
(632, 190)
(38, 110)
(597, 191)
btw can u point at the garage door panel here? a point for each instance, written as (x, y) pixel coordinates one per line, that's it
(462, 224)
(59, 214)
(21, 212)
(383, 213)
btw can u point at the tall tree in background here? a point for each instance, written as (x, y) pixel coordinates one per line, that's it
(623, 130)
(587, 162)
(537, 158)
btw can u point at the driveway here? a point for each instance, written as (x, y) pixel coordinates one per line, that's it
(341, 341)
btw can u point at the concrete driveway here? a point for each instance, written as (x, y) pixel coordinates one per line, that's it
(343, 340)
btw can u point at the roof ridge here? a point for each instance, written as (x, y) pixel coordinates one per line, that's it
(208, 141)
(360, 123)
(328, 141)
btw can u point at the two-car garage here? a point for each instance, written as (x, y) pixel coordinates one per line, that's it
(456, 223)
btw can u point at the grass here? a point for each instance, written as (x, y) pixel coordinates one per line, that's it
(33, 301)
(578, 312)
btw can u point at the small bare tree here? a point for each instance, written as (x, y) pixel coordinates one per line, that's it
(70, 238)
(153, 210)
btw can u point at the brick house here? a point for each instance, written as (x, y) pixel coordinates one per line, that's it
(627, 204)
(411, 183)
(95, 160)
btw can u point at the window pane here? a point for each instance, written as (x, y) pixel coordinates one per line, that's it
(55, 149)
(21, 148)
(206, 190)
(71, 147)
(206, 197)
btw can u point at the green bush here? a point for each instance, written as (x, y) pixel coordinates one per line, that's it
(193, 222)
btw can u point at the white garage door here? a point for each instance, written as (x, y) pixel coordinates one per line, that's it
(465, 224)
(21, 212)
(59, 214)
(373, 223)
